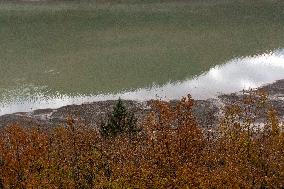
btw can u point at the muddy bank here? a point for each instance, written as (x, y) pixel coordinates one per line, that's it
(93, 113)
(206, 111)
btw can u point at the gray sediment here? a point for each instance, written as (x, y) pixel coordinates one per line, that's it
(206, 112)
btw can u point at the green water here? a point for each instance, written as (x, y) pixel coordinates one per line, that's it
(93, 48)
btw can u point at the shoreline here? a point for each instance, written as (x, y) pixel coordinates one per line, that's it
(205, 111)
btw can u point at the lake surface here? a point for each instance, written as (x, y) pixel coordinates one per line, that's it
(54, 54)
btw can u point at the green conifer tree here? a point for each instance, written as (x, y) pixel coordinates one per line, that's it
(119, 121)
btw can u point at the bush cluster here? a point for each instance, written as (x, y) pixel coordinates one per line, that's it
(170, 151)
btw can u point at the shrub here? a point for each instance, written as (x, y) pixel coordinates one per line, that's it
(172, 151)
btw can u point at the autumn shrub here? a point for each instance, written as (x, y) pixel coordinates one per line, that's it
(170, 151)
(248, 150)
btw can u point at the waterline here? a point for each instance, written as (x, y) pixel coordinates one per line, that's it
(233, 76)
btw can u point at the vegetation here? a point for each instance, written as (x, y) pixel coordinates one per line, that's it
(171, 151)
(119, 121)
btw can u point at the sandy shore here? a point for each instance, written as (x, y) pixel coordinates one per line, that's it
(206, 111)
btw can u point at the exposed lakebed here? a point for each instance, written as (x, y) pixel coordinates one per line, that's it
(207, 112)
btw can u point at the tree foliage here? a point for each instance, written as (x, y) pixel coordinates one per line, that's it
(171, 151)
(119, 121)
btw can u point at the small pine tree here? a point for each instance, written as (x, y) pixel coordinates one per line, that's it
(119, 121)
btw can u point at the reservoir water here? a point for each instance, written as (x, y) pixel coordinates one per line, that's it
(59, 53)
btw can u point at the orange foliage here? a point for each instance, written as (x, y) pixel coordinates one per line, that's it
(171, 151)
